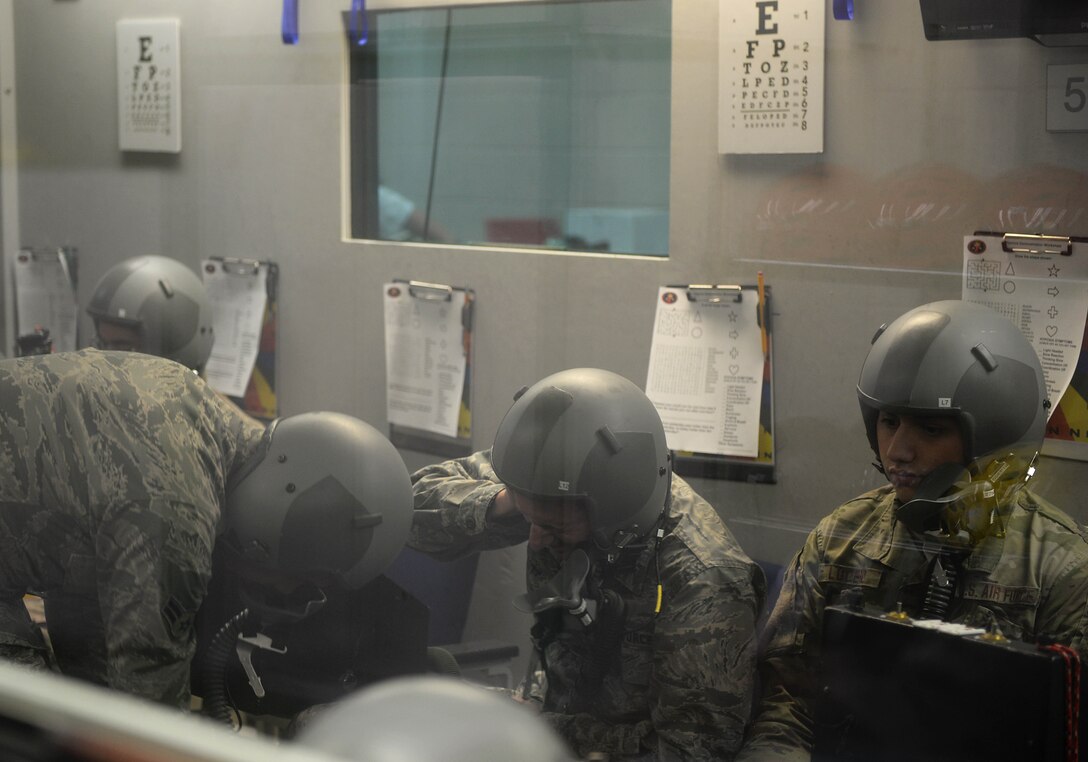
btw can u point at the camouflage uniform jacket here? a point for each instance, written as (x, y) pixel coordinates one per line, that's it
(114, 470)
(1033, 583)
(678, 684)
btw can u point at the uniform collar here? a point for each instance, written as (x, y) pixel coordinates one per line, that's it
(888, 541)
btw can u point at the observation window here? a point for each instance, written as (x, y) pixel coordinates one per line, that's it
(541, 125)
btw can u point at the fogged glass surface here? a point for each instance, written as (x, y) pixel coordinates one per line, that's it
(540, 125)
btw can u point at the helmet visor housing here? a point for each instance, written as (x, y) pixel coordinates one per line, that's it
(965, 361)
(591, 434)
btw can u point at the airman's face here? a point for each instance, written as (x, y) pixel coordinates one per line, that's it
(119, 337)
(558, 525)
(911, 446)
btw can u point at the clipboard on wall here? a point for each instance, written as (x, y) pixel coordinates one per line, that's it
(1040, 283)
(711, 378)
(45, 282)
(245, 328)
(428, 366)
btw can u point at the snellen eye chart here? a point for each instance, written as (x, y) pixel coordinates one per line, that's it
(149, 85)
(771, 76)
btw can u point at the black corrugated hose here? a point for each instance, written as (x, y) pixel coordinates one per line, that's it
(214, 669)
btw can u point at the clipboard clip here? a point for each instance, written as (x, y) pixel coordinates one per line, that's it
(431, 292)
(237, 266)
(30, 254)
(718, 294)
(251, 267)
(1023, 243)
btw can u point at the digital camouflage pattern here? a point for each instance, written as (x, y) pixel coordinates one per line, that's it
(1033, 584)
(678, 686)
(114, 469)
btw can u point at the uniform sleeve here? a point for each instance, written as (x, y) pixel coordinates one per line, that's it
(451, 504)
(154, 564)
(1063, 615)
(238, 433)
(783, 727)
(587, 734)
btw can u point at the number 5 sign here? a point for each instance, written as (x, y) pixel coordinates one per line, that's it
(1067, 98)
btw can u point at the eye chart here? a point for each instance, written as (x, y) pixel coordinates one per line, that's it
(771, 76)
(149, 85)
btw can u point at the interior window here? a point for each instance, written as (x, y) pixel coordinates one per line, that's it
(540, 125)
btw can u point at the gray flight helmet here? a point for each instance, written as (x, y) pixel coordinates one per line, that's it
(432, 719)
(324, 498)
(165, 301)
(965, 361)
(592, 434)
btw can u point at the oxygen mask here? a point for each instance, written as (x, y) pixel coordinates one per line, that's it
(564, 591)
(960, 506)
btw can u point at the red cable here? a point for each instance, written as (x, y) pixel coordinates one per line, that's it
(1072, 700)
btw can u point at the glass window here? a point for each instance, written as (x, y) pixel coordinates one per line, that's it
(541, 125)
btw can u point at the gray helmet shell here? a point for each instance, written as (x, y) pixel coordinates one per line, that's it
(432, 719)
(962, 360)
(325, 495)
(588, 433)
(165, 300)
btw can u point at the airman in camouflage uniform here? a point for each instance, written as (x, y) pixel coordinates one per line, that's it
(673, 684)
(1033, 584)
(954, 404)
(115, 467)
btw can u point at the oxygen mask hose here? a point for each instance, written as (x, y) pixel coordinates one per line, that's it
(214, 668)
(942, 586)
(606, 635)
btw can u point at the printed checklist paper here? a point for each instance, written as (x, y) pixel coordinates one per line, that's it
(1046, 295)
(424, 360)
(706, 373)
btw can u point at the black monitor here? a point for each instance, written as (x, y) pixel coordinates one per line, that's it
(1049, 22)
